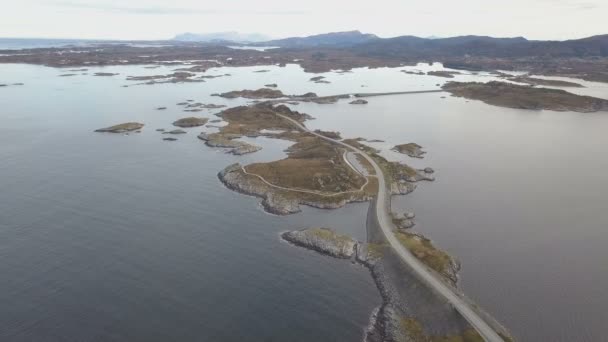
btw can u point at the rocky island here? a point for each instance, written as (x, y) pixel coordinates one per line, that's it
(511, 95)
(411, 149)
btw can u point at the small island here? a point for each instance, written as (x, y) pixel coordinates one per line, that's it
(262, 93)
(511, 95)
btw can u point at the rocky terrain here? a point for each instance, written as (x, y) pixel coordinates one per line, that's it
(510, 95)
(122, 128)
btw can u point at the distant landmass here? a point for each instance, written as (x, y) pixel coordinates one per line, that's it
(334, 39)
(231, 36)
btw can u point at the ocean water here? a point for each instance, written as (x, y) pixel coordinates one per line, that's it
(130, 238)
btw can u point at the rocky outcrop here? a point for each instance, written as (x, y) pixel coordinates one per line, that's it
(358, 102)
(190, 122)
(106, 74)
(122, 128)
(323, 240)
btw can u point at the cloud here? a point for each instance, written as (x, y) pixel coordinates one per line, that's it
(157, 10)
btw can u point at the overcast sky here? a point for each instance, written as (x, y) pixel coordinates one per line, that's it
(162, 19)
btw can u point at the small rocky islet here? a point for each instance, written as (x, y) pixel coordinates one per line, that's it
(190, 122)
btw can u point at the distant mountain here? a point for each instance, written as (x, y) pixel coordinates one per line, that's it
(221, 37)
(335, 39)
(415, 47)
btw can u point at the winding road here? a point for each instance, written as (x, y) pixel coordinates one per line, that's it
(422, 271)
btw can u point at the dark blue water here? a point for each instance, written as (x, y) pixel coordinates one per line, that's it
(129, 238)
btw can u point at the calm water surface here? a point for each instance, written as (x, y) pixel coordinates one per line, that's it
(123, 238)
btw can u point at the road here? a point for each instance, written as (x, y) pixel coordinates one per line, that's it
(423, 272)
(349, 95)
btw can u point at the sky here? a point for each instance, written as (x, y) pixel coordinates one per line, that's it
(162, 19)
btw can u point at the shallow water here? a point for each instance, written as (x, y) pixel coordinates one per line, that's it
(125, 238)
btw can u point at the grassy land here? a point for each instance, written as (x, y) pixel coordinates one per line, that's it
(312, 164)
(423, 249)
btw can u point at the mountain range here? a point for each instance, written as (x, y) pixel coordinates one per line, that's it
(366, 44)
